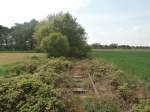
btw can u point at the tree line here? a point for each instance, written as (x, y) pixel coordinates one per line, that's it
(58, 35)
(18, 37)
(117, 46)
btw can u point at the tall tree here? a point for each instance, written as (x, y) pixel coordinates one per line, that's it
(67, 26)
(5, 37)
(22, 34)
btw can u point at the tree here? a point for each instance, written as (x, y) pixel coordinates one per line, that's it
(113, 45)
(67, 26)
(5, 37)
(22, 34)
(96, 46)
(56, 45)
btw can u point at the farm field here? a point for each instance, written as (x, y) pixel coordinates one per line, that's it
(135, 63)
(9, 58)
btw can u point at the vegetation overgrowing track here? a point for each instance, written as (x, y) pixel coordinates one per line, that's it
(95, 84)
(83, 80)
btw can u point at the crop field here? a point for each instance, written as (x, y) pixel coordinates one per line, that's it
(135, 63)
(7, 59)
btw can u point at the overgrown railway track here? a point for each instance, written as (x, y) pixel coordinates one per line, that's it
(83, 82)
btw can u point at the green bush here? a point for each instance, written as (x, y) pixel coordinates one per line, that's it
(55, 45)
(100, 68)
(29, 94)
(50, 77)
(57, 64)
(25, 67)
(142, 106)
(38, 86)
(35, 65)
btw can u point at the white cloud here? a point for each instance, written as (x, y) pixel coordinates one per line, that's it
(137, 28)
(108, 28)
(23, 10)
(123, 27)
(133, 35)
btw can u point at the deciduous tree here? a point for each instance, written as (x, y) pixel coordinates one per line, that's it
(67, 26)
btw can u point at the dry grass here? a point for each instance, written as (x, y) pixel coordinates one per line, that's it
(8, 58)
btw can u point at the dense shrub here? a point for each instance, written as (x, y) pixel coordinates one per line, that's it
(99, 68)
(55, 45)
(128, 93)
(142, 106)
(25, 67)
(57, 64)
(50, 77)
(124, 88)
(35, 65)
(38, 86)
(28, 93)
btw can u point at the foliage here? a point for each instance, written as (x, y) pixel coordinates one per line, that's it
(3, 70)
(56, 45)
(58, 64)
(50, 71)
(127, 93)
(28, 93)
(22, 35)
(19, 37)
(116, 46)
(100, 105)
(142, 106)
(5, 39)
(40, 89)
(35, 82)
(67, 26)
(25, 67)
(124, 88)
(99, 68)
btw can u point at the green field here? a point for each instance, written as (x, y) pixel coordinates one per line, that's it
(135, 63)
(7, 59)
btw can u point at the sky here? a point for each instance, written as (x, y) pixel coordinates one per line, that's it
(105, 21)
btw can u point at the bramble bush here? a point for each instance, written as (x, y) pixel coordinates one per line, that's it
(28, 93)
(25, 67)
(57, 64)
(99, 68)
(35, 65)
(42, 90)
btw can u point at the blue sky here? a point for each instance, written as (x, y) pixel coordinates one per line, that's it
(105, 21)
